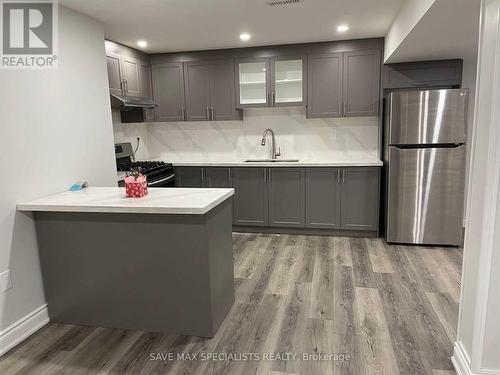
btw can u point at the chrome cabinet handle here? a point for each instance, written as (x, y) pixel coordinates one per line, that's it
(265, 175)
(212, 115)
(183, 112)
(340, 108)
(269, 171)
(343, 114)
(202, 174)
(273, 99)
(343, 175)
(229, 175)
(338, 176)
(207, 114)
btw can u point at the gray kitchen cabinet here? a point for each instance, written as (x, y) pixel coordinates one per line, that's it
(360, 198)
(197, 90)
(130, 75)
(218, 177)
(251, 196)
(253, 84)
(222, 98)
(344, 84)
(129, 71)
(288, 81)
(422, 74)
(146, 87)
(361, 83)
(114, 74)
(168, 88)
(286, 197)
(145, 80)
(189, 177)
(323, 198)
(271, 82)
(324, 88)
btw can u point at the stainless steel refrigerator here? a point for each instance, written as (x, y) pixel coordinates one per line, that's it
(424, 158)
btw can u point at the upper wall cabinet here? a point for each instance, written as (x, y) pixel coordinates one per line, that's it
(222, 97)
(361, 86)
(422, 74)
(324, 86)
(344, 84)
(114, 74)
(331, 79)
(168, 87)
(195, 91)
(271, 82)
(127, 76)
(130, 75)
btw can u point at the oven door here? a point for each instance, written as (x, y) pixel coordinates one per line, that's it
(168, 181)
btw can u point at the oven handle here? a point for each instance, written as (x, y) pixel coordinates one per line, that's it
(159, 182)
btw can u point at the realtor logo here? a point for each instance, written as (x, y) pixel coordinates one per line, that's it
(29, 34)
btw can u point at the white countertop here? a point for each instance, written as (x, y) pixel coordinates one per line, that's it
(113, 200)
(364, 162)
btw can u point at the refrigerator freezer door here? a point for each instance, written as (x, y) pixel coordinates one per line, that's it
(428, 117)
(425, 195)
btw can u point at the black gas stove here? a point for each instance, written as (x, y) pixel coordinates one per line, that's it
(158, 173)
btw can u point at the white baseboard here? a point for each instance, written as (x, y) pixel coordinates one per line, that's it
(23, 328)
(461, 362)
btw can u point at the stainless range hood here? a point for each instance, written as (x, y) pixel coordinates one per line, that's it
(132, 108)
(131, 102)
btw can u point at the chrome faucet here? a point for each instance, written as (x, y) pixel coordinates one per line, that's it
(274, 154)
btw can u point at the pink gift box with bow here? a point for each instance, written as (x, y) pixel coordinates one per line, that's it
(136, 187)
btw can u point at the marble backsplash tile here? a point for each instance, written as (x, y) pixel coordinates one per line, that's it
(298, 137)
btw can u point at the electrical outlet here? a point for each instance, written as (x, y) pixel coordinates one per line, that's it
(333, 134)
(5, 281)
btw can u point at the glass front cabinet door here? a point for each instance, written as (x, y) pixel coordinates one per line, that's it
(254, 85)
(288, 82)
(271, 82)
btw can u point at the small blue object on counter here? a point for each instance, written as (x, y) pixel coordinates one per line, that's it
(79, 185)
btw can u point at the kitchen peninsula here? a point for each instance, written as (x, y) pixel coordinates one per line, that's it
(158, 263)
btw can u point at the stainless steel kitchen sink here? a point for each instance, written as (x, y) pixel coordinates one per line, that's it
(271, 160)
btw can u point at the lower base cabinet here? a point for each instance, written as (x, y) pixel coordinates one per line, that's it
(286, 197)
(314, 197)
(359, 198)
(189, 177)
(323, 190)
(251, 196)
(342, 198)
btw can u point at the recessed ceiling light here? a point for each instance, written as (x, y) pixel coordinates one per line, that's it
(142, 43)
(342, 28)
(245, 36)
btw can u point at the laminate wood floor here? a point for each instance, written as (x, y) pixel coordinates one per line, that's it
(365, 307)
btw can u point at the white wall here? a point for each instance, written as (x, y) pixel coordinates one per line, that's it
(340, 138)
(410, 13)
(129, 133)
(478, 335)
(55, 128)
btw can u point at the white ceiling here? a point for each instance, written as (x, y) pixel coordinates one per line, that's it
(183, 25)
(449, 29)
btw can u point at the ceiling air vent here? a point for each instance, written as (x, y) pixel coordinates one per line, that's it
(275, 3)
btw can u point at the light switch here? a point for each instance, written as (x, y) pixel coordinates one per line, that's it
(5, 281)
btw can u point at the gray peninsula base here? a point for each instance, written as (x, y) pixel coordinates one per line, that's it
(151, 272)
